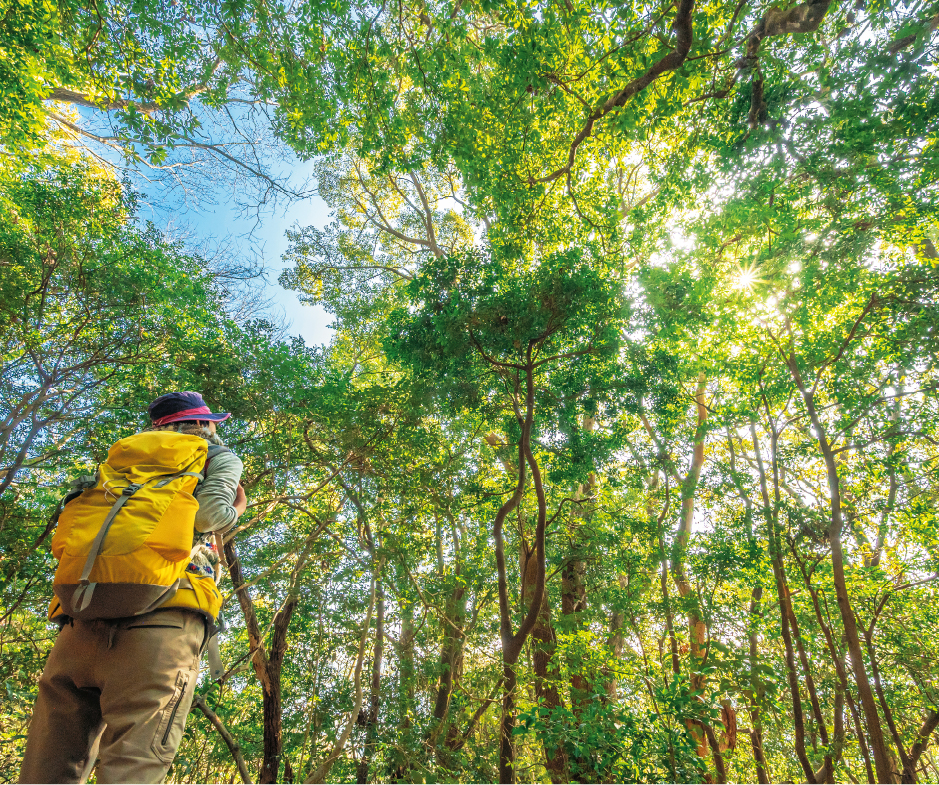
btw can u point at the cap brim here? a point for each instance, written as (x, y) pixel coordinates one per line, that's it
(217, 417)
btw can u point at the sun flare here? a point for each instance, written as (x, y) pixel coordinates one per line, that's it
(747, 278)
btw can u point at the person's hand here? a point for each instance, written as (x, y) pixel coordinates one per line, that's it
(241, 501)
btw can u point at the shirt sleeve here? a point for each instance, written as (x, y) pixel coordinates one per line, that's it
(216, 494)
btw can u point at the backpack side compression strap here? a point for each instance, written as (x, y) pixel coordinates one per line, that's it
(216, 668)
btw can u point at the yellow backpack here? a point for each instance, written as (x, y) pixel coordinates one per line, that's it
(124, 544)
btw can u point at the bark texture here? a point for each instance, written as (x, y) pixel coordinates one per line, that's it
(267, 663)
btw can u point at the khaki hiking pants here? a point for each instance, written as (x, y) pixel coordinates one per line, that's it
(126, 684)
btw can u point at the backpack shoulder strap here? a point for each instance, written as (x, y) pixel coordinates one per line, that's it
(214, 449)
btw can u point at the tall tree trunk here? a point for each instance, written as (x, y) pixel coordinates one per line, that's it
(919, 746)
(267, 665)
(547, 676)
(861, 738)
(374, 698)
(450, 650)
(841, 672)
(370, 540)
(771, 516)
(873, 560)
(451, 657)
(697, 630)
(271, 703)
(321, 772)
(616, 643)
(574, 589)
(882, 763)
(507, 726)
(828, 769)
(402, 765)
(754, 694)
(885, 707)
(573, 605)
(513, 641)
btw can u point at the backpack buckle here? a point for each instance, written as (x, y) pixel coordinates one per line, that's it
(131, 489)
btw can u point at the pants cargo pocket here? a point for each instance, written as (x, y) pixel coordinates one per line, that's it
(169, 732)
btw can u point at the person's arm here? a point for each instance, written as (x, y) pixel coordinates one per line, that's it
(221, 497)
(241, 500)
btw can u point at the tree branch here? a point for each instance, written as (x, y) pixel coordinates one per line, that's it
(670, 62)
(233, 746)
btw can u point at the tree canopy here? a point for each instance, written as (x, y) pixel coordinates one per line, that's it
(621, 464)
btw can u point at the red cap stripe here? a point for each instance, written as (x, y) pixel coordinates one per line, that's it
(183, 415)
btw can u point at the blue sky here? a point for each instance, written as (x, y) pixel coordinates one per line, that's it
(212, 213)
(220, 219)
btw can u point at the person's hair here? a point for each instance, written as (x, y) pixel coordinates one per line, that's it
(192, 428)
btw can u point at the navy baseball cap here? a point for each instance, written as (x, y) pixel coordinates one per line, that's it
(176, 406)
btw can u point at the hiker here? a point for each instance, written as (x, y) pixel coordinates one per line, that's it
(124, 684)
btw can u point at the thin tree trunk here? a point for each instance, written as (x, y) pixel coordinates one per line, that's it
(474, 720)
(697, 629)
(512, 643)
(547, 676)
(837, 745)
(669, 620)
(402, 765)
(573, 605)
(574, 596)
(828, 769)
(663, 578)
(450, 653)
(233, 746)
(321, 772)
(878, 688)
(862, 739)
(919, 746)
(755, 693)
(782, 596)
(841, 672)
(616, 643)
(267, 665)
(882, 763)
(874, 559)
(374, 698)
(716, 754)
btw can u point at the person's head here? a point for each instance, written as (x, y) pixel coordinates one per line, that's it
(185, 412)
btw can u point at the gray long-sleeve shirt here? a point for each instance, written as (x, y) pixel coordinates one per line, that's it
(216, 494)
